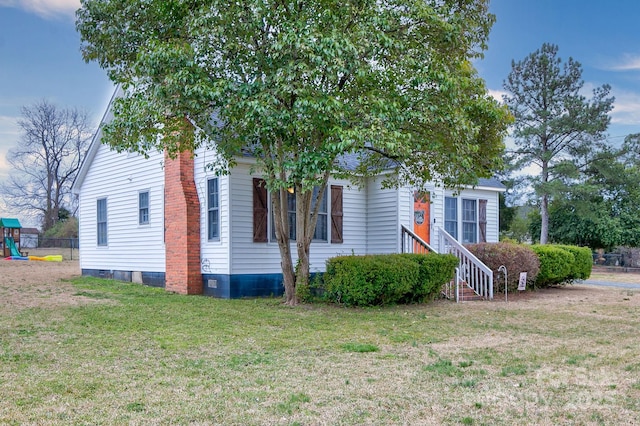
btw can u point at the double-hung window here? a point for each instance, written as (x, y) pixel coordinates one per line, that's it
(321, 232)
(451, 216)
(469, 222)
(102, 221)
(143, 208)
(213, 210)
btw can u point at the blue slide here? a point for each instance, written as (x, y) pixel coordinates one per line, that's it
(12, 246)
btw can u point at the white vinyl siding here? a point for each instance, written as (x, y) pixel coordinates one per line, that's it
(382, 218)
(371, 217)
(214, 252)
(120, 178)
(248, 257)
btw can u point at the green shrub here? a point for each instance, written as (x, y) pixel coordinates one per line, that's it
(312, 291)
(386, 279)
(515, 257)
(369, 280)
(556, 265)
(583, 261)
(435, 271)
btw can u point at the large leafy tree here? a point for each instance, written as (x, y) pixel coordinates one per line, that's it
(556, 126)
(52, 146)
(299, 83)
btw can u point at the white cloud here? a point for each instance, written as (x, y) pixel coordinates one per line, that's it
(497, 94)
(45, 8)
(9, 135)
(626, 109)
(628, 63)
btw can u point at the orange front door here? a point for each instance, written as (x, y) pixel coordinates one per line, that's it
(421, 216)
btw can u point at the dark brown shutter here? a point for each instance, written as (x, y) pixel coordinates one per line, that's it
(259, 211)
(336, 214)
(482, 220)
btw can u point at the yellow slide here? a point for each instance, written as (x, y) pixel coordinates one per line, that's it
(49, 258)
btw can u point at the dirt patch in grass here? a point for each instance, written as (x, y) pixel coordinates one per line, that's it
(27, 284)
(552, 298)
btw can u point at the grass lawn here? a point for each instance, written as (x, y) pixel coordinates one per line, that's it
(129, 354)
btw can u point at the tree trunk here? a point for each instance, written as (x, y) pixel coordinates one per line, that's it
(544, 219)
(303, 235)
(544, 205)
(307, 207)
(281, 223)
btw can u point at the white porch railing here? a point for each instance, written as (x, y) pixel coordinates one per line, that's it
(411, 243)
(475, 273)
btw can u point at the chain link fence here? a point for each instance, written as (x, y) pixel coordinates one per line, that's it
(37, 245)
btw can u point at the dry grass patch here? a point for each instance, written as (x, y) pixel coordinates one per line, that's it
(616, 277)
(29, 284)
(566, 355)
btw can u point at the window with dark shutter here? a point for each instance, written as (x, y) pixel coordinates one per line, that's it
(259, 211)
(482, 220)
(336, 214)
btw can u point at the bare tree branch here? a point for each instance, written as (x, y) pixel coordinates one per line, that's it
(46, 161)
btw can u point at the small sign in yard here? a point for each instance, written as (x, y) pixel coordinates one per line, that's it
(522, 283)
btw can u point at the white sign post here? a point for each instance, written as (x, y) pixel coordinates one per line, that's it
(522, 283)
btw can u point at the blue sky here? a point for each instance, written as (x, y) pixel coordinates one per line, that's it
(40, 55)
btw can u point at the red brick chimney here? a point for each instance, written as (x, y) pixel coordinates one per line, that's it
(182, 226)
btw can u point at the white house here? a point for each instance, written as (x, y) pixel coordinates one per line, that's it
(173, 223)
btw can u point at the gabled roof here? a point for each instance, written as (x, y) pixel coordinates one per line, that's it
(491, 183)
(350, 160)
(6, 222)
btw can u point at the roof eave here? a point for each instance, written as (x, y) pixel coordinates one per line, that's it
(94, 146)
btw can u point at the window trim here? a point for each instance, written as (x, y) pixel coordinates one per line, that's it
(141, 222)
(213, 209)
(449, 220)
(465, 221)
(102, 242)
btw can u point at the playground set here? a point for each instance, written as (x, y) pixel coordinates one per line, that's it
(10, 243)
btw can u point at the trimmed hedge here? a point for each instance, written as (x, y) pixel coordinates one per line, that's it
(376, 280)
(435, 271)
(583, 263)
(556, 264)
(515, 257)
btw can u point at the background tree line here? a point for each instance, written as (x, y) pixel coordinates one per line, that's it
(584, 190)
